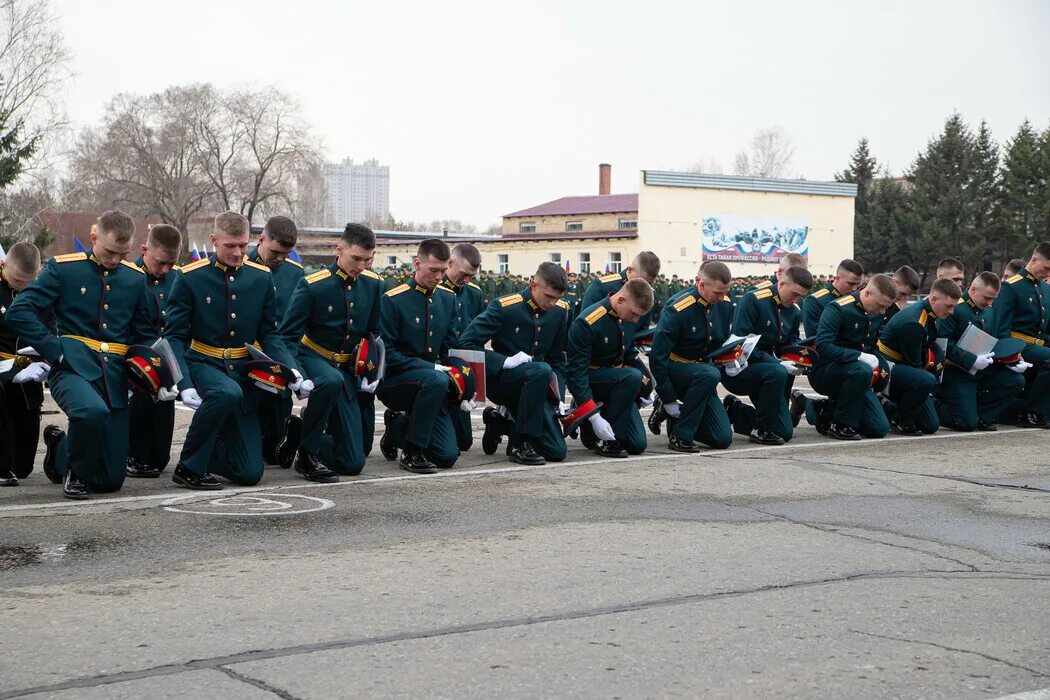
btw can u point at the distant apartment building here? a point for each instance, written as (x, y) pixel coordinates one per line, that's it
(357, 192)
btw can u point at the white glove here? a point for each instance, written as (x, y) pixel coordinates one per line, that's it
(792, 369)
(467, 406)
(306, 386)
(1021, 367)
(164, 394)
(736, 367)
(191, 398)
(442, 368)
(869, 359)
(35, 372)
(369, 388)
(602, 429)
(131, 392)
(673, 409)
(647, 400)
(298, 383)
(563, 408)
(983, 361)
(517, 359)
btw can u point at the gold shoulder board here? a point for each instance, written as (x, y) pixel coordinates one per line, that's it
(510, 300)
(398, 290)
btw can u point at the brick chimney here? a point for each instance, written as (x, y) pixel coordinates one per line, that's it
(604, 178)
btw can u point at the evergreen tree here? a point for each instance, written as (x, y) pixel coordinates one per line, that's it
(1043, 205)
(893, 227)
(984, 193)
(861, 171)
(14, 151)
(1022, 199)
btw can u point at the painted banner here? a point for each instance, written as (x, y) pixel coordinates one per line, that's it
(753, 238)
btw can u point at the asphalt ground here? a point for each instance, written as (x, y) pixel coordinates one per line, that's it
(901, 567)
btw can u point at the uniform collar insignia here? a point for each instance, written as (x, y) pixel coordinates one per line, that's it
(95, 260)
(423, 290)
(449, 284)
(220, 266)
(776, 299)
(532, 305)
(834, 292)
(339, 271)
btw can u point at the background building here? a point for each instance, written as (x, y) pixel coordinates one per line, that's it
(358, 192)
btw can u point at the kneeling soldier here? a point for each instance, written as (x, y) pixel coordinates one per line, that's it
(772, 314)
(417, 321)
(101, 308)
(217, 308)
(908, 342)
(527, 331)
(968, 401)
(153, 422)
(603, 365)
(692, 325)
(463, 265)
(330, 312)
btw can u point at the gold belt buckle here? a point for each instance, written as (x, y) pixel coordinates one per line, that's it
(225, 353)
(103, 347)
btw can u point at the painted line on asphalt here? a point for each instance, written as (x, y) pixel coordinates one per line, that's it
(1041, 694)
(456, 473)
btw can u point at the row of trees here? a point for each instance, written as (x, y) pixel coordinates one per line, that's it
(963, 196)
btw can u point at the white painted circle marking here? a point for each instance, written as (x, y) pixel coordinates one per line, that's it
(245, 504)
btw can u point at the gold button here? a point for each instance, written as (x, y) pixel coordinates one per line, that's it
(106, 307)
(107, 287)
(351, 320)
(230, 366)
(430, 333)
(226, 354)
(351, 305)
(233, 296)
(105, 274)
(103, 347)
(104, 325)
(105, 359)
(348, 287)
(231, 278)
(162, 295)
(163, 313)
(156, 282)
(430, 349)
(231, 332)
(233, 315)
(431, 317)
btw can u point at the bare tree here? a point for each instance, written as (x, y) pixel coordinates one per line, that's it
(310, 205)
(769, 155)
(711, 166)
(34, 63)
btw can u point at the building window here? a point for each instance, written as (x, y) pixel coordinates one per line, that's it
(629, 223)
(526, 228)
(573, 225)
(556, 258)
(503, 262)
(585, 262)
(614, 263)
(391, 260)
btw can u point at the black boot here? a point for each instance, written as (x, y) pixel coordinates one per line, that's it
(416, 462)
(73, 488)
(7, 478)
(386, 443)
(525, 453)
(909, 429)
(985, 426)
(313, 469)
(658, 416)
(587, 436)
(798, 406)
(1031, 420)
(182, 476)
(493, 434)
(52, 436)
(765, 437)
(137, 469)
(730, 403)
(679, 445)
(289, 444)
(841, 431)
(610, 448)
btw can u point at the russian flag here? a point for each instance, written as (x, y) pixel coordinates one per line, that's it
(78, 247)
(195, 254)
(606, 267)
(568, 265)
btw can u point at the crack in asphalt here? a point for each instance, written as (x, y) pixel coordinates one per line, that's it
(256, 683)
(996, 659)
(221, 662)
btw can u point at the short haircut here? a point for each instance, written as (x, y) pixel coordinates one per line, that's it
(951, 264)
(1013, 267)
(117, 224)
(24, 257)
(433, 248)
(281, 230)
(166, 238)
(908, 276)
(231, 223)
(551, 274)
(793, 260)
(1042, 250)
(639, 292)
(714, 271)
(647, 263)
(468, 253)
(851, 266)
(800, 276)
(884, 285)
(989, 280)
(946, 288)
(359, 235)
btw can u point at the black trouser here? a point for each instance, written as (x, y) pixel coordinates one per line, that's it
(19, 426)
(150, 424)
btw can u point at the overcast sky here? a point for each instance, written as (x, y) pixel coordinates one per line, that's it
(483, 108)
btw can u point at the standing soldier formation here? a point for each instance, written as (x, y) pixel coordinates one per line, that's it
(234, 335)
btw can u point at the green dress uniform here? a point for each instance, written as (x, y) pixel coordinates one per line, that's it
(963, 400)
(1021, 311)
(418, 327)
(764, 380)
(327, 316)
(153, 422)
(688, 330)
(214, 311)
(905, 341)
(813, 308)
(19, 403)
(274, 409)
(573, 300)
(99, 312)
(846, 330)
(767, 283)
(514, 324)
(603, 365)
(469, 303)
(608, 284)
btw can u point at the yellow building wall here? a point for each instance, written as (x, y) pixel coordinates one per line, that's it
(556, 224)
(669, 223)
(525, 256)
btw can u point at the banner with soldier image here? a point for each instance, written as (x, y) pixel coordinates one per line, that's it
(753, 238)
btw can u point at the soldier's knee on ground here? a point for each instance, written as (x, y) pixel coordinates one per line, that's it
(443, 458)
